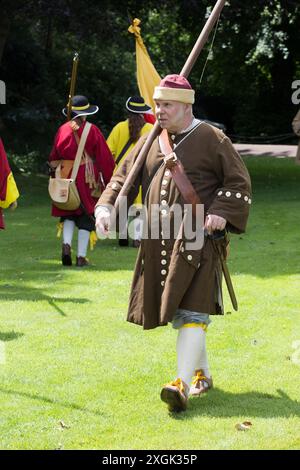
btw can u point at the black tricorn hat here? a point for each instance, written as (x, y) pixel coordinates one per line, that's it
(80, 107)
(136, 104)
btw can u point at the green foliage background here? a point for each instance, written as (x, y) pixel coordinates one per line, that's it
(246, 84)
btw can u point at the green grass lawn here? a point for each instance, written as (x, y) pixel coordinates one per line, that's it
(75, 375)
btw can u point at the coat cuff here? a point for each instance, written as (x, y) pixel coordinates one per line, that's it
(232, 205)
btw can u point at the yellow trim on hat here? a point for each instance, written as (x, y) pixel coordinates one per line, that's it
(80, 108)
(136, 104)
(183, 95)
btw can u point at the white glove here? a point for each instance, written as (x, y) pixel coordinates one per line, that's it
(102, 215)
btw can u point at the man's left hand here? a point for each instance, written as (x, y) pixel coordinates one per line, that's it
(214, 222)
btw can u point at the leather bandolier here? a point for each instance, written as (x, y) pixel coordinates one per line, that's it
(190, 196)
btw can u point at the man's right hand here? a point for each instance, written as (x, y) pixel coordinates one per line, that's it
(102, 214)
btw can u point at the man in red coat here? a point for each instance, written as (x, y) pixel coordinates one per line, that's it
(8, 189)
(95, 171)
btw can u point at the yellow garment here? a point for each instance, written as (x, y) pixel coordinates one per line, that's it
(93, 239)
(117, 140)
(195, 325)
(59, 227)
(12, 192)
(119, 137)
(147, 76)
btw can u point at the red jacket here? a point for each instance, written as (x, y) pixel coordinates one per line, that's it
(65, 148)
(4, 172)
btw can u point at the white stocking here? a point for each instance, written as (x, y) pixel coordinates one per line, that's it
(190, 345)
(83, 241)
(203, 362)
(68, 230)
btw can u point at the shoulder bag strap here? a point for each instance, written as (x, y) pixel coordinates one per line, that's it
(80, 150)
(179, 176)
(190, 196)
(123, 151)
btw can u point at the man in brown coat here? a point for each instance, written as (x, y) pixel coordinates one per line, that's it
(174, 281)
(296, 129)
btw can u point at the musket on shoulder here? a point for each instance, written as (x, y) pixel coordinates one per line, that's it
(211, 21)
(72, 84)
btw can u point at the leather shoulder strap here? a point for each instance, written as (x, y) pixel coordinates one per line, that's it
(123, 151)
(180, 177)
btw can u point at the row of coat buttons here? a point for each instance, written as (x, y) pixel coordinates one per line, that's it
(237, 195)
(189, 257)
(164, 202)
(163, 192)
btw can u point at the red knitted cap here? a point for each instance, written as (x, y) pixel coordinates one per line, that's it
(175, 81)
(174, 88)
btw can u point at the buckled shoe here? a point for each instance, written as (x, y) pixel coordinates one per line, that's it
(66, 258)
(200, 383)
(175, 394)
(81, 261)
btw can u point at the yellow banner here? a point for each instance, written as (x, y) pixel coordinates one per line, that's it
(147, 76)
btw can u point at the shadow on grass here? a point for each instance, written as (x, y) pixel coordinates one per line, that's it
(220, 404)
(10, 336)
(269, 248)
(107, 258)
(28, 293)
(51, 401)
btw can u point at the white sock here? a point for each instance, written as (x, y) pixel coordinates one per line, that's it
(203, 362)
(83, 241)
(68, 231)
(190, 344)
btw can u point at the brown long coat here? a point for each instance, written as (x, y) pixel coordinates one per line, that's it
(168, 276)
(296, 129)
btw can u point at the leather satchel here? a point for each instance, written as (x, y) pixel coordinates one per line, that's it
(63, 191)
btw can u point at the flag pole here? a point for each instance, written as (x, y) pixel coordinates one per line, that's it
(186, 70)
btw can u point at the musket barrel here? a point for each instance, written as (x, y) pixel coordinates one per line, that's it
(202, 39)
(73, 83)
(185, 72)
